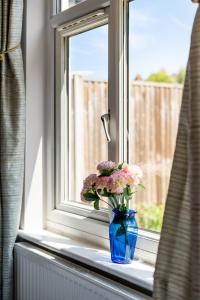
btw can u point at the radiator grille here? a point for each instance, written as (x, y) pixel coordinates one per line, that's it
(43, 276)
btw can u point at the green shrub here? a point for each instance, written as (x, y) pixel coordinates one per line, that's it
(161, 76)
(150, 216)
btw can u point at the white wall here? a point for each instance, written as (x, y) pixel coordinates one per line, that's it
(35, 59)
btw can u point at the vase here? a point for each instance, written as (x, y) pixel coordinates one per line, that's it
(123, 231)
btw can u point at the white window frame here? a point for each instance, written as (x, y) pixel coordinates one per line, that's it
(90, 21)
(75, 220)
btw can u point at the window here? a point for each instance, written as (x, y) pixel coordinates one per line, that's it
(117, 58)
(158, 57)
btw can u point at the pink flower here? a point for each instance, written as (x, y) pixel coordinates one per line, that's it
(118, 182)
(106, 166)
(88, 183)
(121, 179)
(102, 182)
(133, 169)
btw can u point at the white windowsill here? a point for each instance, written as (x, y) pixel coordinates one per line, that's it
(138, 273)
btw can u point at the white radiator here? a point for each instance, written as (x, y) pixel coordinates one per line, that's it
(39, 275)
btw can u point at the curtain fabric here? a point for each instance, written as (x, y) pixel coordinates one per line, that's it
(177, 275)
(12, 138)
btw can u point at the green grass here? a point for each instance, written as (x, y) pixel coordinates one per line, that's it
(150, 217)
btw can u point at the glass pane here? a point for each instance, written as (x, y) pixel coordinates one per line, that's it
(88, 67)
(68, 3)
(159, 44)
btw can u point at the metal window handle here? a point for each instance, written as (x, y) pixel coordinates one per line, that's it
(105, 120)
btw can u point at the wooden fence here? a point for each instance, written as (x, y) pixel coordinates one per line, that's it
(153, 121)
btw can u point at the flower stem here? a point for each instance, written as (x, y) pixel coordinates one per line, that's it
(113, 203)
(104, 200)
(106, 203)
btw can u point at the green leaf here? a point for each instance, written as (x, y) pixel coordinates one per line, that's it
(96, 204)
(105, 192)
(91, 197)
(123, 207)
(106, 172)
(120, 166)
(128, 193)
(125, 192)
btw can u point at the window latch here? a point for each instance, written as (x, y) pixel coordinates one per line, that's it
(105, 120)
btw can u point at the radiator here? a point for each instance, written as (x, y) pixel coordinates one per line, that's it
(40, 275)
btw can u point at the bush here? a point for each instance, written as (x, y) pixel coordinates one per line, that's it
(180, 78)
(161, 76)
(150, 216)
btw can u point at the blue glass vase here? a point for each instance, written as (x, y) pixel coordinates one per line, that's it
(123, 232)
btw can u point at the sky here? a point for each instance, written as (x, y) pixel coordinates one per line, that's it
(159, 38)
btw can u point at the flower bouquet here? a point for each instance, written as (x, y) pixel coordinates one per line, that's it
(116, 185)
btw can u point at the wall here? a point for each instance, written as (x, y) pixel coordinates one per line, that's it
(34, 49)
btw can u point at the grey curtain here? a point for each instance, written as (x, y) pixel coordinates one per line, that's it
(177, 275)
(12, 136)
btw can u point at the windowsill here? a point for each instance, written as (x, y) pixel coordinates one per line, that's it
(137, 273)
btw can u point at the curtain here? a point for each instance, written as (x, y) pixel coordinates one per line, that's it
(12, 137)
(177, 275)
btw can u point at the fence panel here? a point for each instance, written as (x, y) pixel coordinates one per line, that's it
(153, 121)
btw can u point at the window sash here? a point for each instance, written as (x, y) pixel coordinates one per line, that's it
(62, 106)
(117, 91)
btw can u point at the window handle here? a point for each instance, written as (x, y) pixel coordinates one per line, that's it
(105, 120)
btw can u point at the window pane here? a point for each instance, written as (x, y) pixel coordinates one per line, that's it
(159, 44)
(68, 3)
(88, 64)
